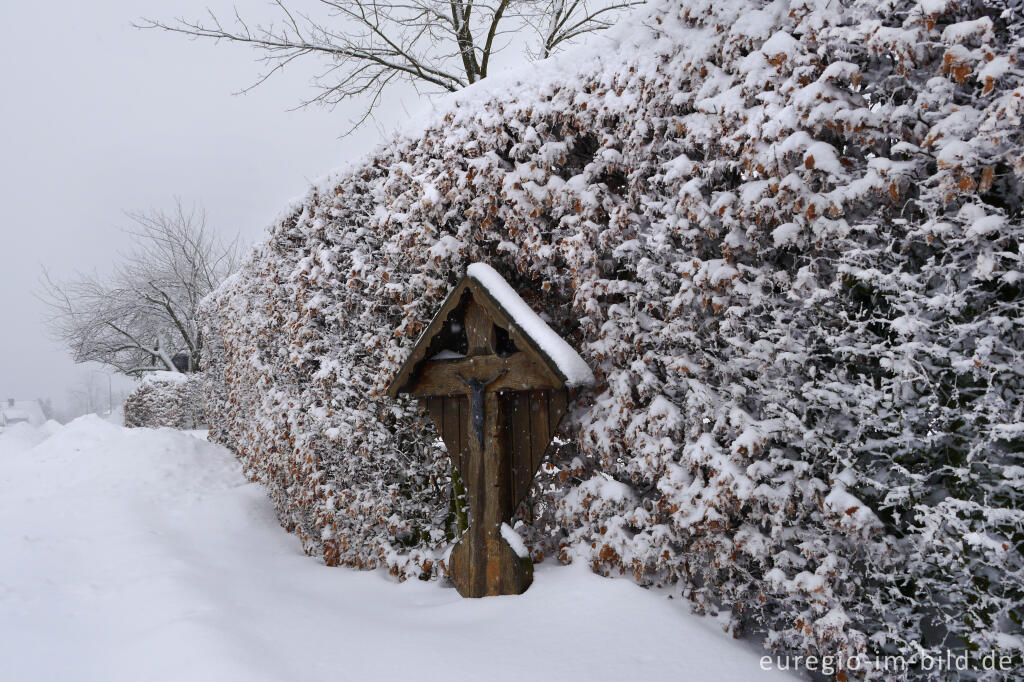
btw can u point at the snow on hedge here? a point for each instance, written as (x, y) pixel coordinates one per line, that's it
(786, 237)
(170, 399)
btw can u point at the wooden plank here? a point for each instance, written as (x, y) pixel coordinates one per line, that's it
(441, 377)
(480, 335)
(519, 417)
(509, 466)
(479, 508)
(453, 431)
(440, 411)
(508, 399)
(435, 408)
(462, 406)
(505, 572)
(540, 434)
(505, 401)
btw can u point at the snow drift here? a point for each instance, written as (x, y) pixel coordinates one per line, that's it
(143, 554)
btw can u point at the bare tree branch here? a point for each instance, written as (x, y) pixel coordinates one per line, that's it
(367, 45)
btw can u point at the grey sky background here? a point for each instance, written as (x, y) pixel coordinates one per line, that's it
(98, 118)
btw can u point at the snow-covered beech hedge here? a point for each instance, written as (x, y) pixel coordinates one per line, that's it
(167, 399)
(786, 236)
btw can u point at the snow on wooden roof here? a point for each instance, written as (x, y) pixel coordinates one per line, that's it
(507, 310)
(574, 370)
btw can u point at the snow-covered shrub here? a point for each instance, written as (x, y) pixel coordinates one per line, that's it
(785, 235)
(167, 399)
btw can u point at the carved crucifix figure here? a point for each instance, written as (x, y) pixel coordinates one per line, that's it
(497, 410)
(476, 390)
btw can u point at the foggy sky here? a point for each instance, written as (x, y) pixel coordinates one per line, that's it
(98, 118)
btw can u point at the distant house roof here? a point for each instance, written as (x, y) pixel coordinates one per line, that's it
(21, 411)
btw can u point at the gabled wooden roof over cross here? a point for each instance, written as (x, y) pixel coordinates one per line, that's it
(496, 380)
(547, 360)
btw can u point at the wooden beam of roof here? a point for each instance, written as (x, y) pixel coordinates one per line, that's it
(499, 315)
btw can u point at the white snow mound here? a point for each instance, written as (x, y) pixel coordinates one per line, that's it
(142, 554)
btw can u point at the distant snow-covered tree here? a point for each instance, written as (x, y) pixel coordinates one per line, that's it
(142, 316)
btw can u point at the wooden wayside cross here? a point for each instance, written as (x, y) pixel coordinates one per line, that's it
(496, 380)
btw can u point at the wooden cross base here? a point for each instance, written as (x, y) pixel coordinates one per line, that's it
(484, 565)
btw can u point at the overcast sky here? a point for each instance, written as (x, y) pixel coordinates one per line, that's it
(98, 118)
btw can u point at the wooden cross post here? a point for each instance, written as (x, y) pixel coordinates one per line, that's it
(497, 403)
(483, 561)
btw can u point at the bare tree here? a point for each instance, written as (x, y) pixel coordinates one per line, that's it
(92, 394)
(144, 315)
(439, 45)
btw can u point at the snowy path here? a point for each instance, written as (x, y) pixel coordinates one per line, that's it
(144, 555)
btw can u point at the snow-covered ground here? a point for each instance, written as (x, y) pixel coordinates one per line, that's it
(135, 554)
